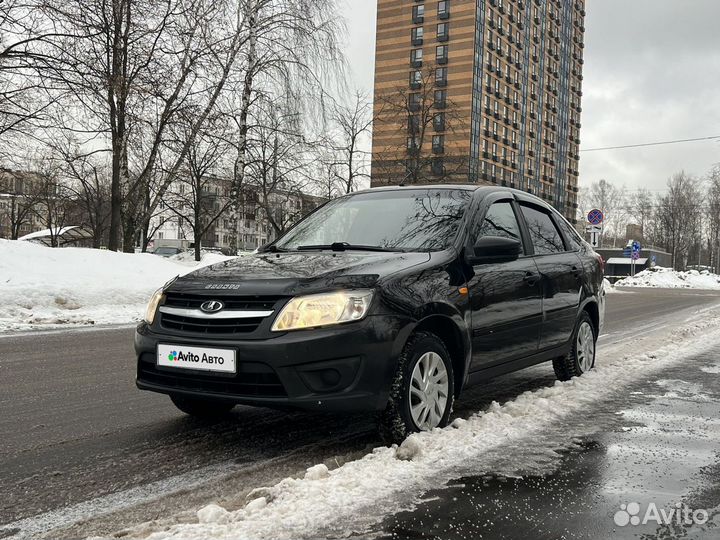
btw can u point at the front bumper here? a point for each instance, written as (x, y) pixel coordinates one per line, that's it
(339, 369)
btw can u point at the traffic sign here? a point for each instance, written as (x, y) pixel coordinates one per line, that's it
(595, 231)
(595, 217)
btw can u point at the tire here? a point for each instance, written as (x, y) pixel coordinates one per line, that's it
(581, 357)
(423, 354)
(201, 408)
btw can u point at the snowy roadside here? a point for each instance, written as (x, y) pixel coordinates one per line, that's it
(44, 288)
(667, 278)
(358, 494)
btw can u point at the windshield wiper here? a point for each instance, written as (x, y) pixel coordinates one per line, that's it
(345, 246)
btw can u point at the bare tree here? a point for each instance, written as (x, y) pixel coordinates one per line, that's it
(132, 68)
(291, 45)
(641, 210)
(51, 199)
(24, 100)
(87, 183)
(712, 214)
(346, 158)
(679, 217)
(418, 121)
(279, 168)
(611, 200)
(200, 198)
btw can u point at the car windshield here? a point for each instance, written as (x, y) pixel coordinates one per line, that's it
(402, 220)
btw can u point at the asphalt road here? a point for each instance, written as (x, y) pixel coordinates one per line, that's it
(74, 430)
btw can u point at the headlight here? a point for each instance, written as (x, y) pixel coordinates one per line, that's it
(152, 307)
(323, 310)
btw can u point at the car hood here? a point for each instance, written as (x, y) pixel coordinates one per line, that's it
(290, 274)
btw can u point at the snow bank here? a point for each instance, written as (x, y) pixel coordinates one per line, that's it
(608, 287)
(350, 498)
(41, 287)
(667, 278)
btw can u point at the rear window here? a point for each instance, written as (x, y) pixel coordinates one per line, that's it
(545, 236)
(571, 235)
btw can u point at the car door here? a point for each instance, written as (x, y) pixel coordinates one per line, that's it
(505, 297)
(561, 276)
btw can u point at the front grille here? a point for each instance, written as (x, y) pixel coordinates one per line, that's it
(191, 301)
(216, 327)
(209, 326)
(253, 379)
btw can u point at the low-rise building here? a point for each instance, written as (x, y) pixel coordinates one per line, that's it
(260, 220)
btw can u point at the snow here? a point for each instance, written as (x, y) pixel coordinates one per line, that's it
(608, 287)
(317, 472)
(383, 481)
(667, 278)
(42, 287)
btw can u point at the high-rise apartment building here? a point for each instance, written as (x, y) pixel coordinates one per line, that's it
(480, 91)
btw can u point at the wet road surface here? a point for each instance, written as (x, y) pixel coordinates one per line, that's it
(74, 428)
(653, 449)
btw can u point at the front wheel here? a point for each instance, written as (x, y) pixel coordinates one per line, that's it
(581, 357)
(201, 408)
(423, 390)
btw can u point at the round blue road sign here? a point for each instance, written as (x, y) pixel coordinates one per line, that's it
(595, 217)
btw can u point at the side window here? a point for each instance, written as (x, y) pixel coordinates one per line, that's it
(500, 220)
(571, 235)
(543, 232)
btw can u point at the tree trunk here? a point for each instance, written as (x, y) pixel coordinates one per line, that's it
(115, 201)
(130, 232)
(243, 129)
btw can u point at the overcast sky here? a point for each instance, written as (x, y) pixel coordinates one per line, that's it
(652, 73)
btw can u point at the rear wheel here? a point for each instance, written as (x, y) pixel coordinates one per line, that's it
(581, 357)
(201, 408)
(423, 390)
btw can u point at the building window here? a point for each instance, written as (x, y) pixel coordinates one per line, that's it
(413, 143)
(413, 124)
(438, 144)
(441, 54)
(443, 9)
(441, 76)
(418, 14)
(414, 102)
(417, 36)
(439, 122)
(440, 99)
(438, 166)
(443, 31)
(416, 80)
(416, 57)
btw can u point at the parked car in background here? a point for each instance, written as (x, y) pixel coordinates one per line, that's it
(167, 251)
(391, 300)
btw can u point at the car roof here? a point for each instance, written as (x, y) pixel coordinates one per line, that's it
(483, 189)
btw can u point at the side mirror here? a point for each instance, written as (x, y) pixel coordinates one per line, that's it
(495, 249)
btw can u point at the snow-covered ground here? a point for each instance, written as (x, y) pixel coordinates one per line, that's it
(667, 278)
(41, 287)
(351, 498)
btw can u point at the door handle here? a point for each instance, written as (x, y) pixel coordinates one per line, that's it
(577, 272)
(531, 278)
